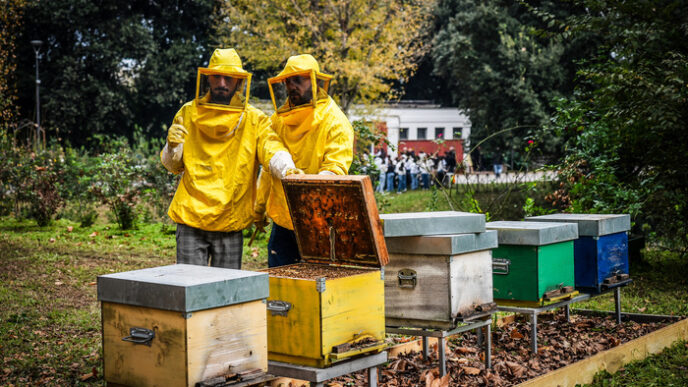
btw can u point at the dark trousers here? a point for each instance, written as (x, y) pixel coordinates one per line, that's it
(282, 247)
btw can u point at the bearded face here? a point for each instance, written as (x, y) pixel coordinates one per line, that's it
(222, 88)
(299, 89)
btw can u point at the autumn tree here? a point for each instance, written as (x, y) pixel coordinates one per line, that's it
(365, 44)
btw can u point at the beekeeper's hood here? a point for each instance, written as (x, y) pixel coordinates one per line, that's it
(292, 89)
(224, 84)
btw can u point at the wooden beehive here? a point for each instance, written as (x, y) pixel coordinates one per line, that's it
(179, 325)
(331, 307)
(601, 251)
(436, 281)
(534, 261)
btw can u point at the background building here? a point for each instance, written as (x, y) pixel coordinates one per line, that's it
(419, 126)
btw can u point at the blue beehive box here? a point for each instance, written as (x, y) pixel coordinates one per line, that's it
(601, 251)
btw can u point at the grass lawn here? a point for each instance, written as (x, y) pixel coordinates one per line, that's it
(50, 317)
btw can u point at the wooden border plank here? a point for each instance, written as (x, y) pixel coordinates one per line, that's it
(583, 371)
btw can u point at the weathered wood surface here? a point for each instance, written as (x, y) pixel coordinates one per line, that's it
(161, 364)
(184, 351)
(227, 340)
(429, 299)
(445, 287)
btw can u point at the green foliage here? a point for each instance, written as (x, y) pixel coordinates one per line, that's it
(116, 183)
(502, 71)
(629, 150)
(108, 65)
(33, 179)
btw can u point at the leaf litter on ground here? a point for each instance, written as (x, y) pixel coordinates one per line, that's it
(560, 343)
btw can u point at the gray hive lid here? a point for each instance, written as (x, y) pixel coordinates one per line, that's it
(442, 244)
(533, 233)
(593, 225)
(432, 223)
(183, 288)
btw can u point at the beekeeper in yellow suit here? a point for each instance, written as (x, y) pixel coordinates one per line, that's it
(217, 142)
(317, 134)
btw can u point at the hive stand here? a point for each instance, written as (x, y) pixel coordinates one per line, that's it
(534, 311)
(442, 334)
(318, 376)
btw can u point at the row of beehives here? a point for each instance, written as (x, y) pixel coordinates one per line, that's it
(448, 265)
(181, 324)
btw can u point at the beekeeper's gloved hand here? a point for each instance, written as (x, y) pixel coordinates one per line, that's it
(282, 165)
(260, 221)
(294, 171)
(176, 134)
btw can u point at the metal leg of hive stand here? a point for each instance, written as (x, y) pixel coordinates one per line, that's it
(320, 384)
(567, 313)
(488, 347)
(479, 338)
(443, 360)
(372, 376)
(425, 348)
(617, 303)
(533, 331)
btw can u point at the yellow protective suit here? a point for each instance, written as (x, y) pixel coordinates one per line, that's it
(221, 154)
(319, 139)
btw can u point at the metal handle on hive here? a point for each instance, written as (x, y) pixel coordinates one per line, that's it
(500, 266)
(407, 278)
(140, 336)
(278, 308)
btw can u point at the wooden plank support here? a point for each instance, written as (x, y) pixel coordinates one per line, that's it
(611, 360)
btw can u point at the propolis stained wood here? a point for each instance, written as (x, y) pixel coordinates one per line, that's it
(336, 224)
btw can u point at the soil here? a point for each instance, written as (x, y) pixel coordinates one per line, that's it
(313, 271)
(560, 343)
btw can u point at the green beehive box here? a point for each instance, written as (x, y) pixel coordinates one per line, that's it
(534, 262)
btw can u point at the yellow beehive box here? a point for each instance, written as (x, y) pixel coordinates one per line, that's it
(179, 325)
(332, 307)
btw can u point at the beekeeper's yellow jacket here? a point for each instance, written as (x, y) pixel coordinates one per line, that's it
(217, 188)
(319, 139)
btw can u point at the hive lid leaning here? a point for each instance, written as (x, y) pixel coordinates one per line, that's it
(590, 224)
(443, 244)
(183, 288)
(335, 219)
(533, 233)
(432, 223)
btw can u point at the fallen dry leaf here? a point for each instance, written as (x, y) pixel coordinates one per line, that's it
(643, 309)
(58, 283)
(93, 234)
(52, 240)
(471, 370)
(515, 334)
(70, 228)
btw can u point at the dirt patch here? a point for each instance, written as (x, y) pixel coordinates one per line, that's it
(560, 343)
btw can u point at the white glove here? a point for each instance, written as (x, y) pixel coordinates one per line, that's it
(326, 172)
(281, 165)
